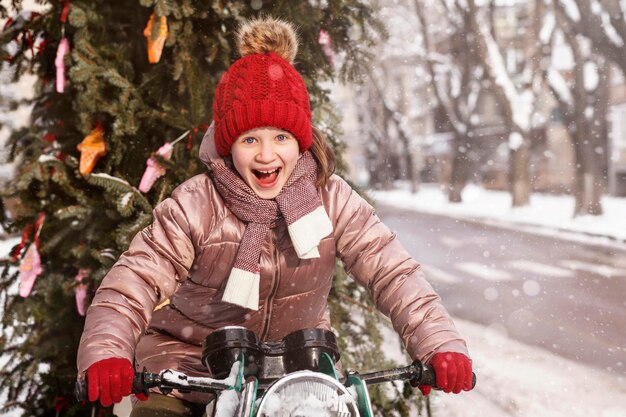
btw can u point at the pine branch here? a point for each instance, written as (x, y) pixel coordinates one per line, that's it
(79, 212)
(121, 187)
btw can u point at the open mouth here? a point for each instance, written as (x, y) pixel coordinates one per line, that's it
(266, 177)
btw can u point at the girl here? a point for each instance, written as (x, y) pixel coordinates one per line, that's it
(253, 243)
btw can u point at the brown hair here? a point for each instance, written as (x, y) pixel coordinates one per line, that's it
(324, 156)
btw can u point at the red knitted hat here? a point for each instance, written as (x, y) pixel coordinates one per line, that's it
(262, 88)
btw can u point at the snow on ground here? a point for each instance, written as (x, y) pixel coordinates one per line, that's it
(518, 380)
(546, 214)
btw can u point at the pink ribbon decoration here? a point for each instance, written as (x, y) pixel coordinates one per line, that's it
(154, 170)
(327, 46)
(30, 268)
(80, 289)
(59, 62)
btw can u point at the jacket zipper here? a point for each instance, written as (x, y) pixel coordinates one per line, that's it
(273, 289)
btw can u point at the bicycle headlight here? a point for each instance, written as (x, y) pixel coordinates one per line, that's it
(307, 394)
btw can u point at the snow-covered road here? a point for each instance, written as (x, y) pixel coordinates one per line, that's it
(518, 380)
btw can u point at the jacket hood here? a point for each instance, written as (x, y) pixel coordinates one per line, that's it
(208, 152)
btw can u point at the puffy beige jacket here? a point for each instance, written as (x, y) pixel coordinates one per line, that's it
(186, 256)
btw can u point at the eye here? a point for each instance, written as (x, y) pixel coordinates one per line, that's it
(282, 138)
(249, 140)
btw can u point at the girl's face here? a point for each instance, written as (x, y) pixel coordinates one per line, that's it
(265, 158)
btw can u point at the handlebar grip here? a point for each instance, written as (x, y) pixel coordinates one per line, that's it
(428, 377)
(81, 388)
(139, 383)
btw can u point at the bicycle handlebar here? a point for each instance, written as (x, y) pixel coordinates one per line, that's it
(169, 380)
(166, 381)
(417, 373)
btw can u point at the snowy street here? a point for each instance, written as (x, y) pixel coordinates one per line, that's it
(542, 310)
(564, 296)
(519, 380)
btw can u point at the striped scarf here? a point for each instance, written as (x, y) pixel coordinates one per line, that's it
(298, 204)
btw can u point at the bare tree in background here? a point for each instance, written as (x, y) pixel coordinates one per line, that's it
(602, 22)
(516, 91)
(471, 51)
(378, 148)
(390, 104)
(456, 78)
(583, 99)
(391, 115)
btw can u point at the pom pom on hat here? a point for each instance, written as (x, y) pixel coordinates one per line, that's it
(262, 36)
(262, 88)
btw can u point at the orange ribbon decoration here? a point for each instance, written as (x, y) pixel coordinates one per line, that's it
(155, 43)
(91, 149)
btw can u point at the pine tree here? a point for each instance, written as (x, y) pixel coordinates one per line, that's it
(113, 89)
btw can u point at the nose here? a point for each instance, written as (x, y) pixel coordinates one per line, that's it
(267, 152)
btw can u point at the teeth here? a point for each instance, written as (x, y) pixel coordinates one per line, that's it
(267, 172)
